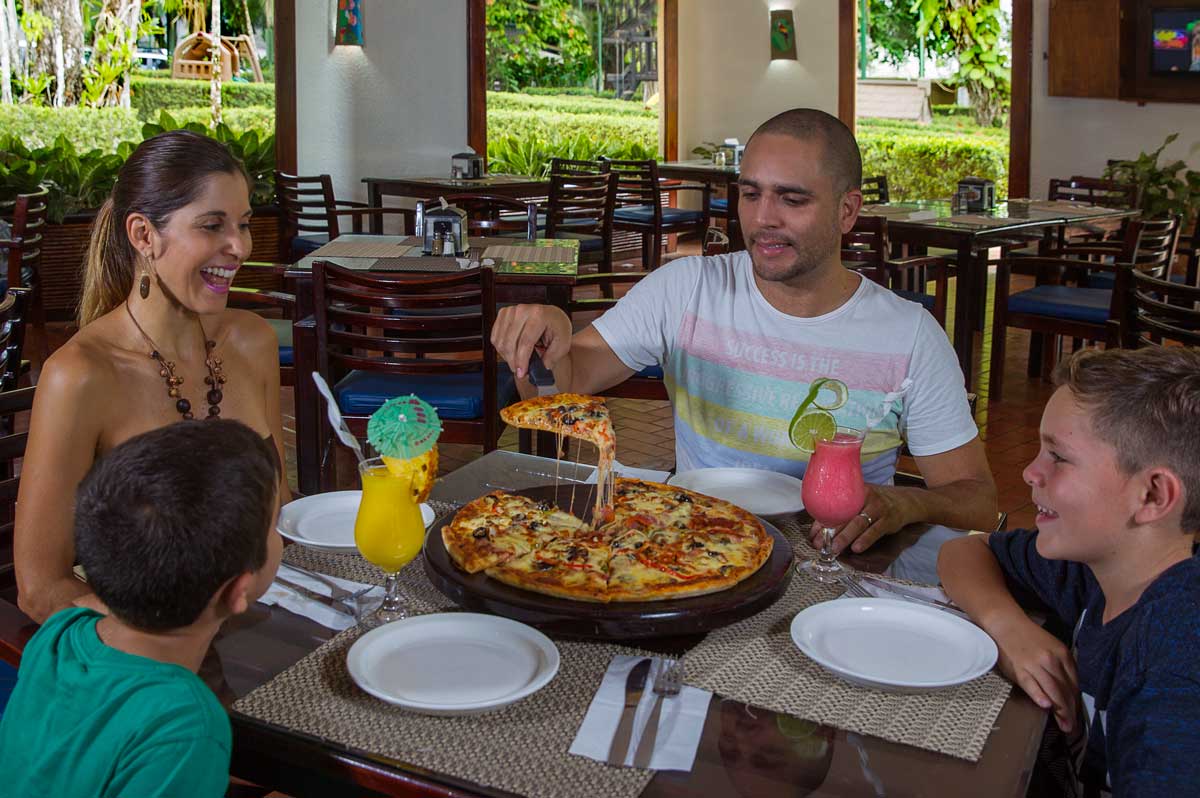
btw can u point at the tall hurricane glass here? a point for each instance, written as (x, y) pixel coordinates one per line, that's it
(833, 494)
(388, 532)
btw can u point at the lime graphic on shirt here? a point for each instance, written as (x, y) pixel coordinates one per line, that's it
(813, 420)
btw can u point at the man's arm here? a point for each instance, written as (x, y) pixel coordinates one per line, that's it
(582, 363)
(1029, 656)
(959, 493)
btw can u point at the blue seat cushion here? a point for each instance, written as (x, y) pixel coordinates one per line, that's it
(644, 214)
(925, 300)
(1089, 305)
(306, 245)
(454, 396)
(283, 331)
(719, 204)
(8, 682)
(651, 373)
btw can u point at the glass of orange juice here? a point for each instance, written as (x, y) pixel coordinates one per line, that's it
(388, 531)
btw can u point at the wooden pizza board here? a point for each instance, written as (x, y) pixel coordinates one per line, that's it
(616, 620)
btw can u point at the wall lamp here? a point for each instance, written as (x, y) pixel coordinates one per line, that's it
(349, 23)
(783, 35)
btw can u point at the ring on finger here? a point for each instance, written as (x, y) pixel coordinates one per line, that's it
(870, 520)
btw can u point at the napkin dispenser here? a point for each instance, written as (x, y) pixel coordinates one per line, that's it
(443, 229)
(466, 166)
(733, 153)
(976, 194)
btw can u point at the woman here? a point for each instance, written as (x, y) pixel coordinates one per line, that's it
(156, 344)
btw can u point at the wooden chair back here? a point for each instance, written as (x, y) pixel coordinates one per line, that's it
(570, 166)
(12, 336)
(12, 449)
(1149, 245)
(582, 204)
(357, 328)
(28, 226)
(488, 214)
(875, 190)
(1154, 312)
(637, 184)
(865, 248)
(308, 205)
(262, 288)
(1093, 191)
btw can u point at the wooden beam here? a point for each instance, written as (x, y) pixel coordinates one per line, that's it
(847, 48)
(477, 76)
(1020, 110)
(285, 86)
(668, 39)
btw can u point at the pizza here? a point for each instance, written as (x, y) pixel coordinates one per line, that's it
(577, 416)
(658, 542)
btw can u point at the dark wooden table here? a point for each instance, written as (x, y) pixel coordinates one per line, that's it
(932, 223)
(515, 186)
(705, 171)
(743, 751)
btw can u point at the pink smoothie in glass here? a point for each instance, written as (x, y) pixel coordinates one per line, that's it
(833, 491)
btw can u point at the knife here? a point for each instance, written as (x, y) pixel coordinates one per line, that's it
(541, 377)
(913, 595)
(635, 683)
(320, 598)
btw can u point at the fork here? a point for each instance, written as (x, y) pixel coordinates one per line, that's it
(667, 684)
(336, 591)
(854, 587)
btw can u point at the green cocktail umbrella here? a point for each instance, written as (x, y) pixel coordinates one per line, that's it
(404, 427)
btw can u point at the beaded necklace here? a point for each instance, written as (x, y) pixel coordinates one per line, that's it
(166, 370)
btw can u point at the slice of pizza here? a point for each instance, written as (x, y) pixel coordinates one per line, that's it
(573, 566)
(500, 526)
(576, 416)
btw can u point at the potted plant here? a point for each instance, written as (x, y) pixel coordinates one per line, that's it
(1170, 188)
(79, 182)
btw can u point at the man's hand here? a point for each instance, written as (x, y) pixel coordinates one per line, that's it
(520, 329)
(887, 510)
(1040, 665)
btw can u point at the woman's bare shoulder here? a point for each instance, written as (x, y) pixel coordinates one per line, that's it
(248, 332)
(81, 365)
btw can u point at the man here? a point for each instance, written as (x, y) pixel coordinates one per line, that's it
(741, 337)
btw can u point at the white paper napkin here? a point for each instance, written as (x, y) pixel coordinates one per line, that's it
(328, 617)
(680, 723)
(929, 592)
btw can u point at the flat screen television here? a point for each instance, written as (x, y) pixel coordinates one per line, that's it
(1175, 45)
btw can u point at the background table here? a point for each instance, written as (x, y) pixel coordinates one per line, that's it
(515, 186)
(704, 171)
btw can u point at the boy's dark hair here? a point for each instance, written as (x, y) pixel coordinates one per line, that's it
(842, 159)
(1145, 403)
(166, 518)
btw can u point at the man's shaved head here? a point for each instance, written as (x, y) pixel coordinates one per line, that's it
(841, 157)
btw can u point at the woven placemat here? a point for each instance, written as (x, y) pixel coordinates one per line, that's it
(756, 662)
(521, 748)
(363, 249)
(529, 254)
(419, 263)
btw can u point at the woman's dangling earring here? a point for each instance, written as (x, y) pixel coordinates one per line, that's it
(144, 283)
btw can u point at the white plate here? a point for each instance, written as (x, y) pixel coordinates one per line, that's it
(454, 663)
(325, 521)
(889, 644)
(761, 492)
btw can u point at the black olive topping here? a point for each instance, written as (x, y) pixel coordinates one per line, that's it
(575, 553)
(696, 545)
(542, 566)
(683, 497)
(480, 534)
(724, 569)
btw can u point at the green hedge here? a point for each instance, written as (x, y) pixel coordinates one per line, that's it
(511, 101)
(103, 128)
(558, 126)
(151, 95)
(86, 128)
(929, 167)
(573, 91)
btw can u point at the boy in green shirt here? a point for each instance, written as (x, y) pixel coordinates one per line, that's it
(175, 529)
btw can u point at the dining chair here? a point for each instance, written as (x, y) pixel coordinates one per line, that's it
(24, 247)
(489, 215)
(576, 167)
(866, 249)
(639, 207)
(262, 289)
(312, 214)
(581, 207)
(1055, 307)
(1154, 312)
(875, 190)
(369, 354)
(12, 449)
